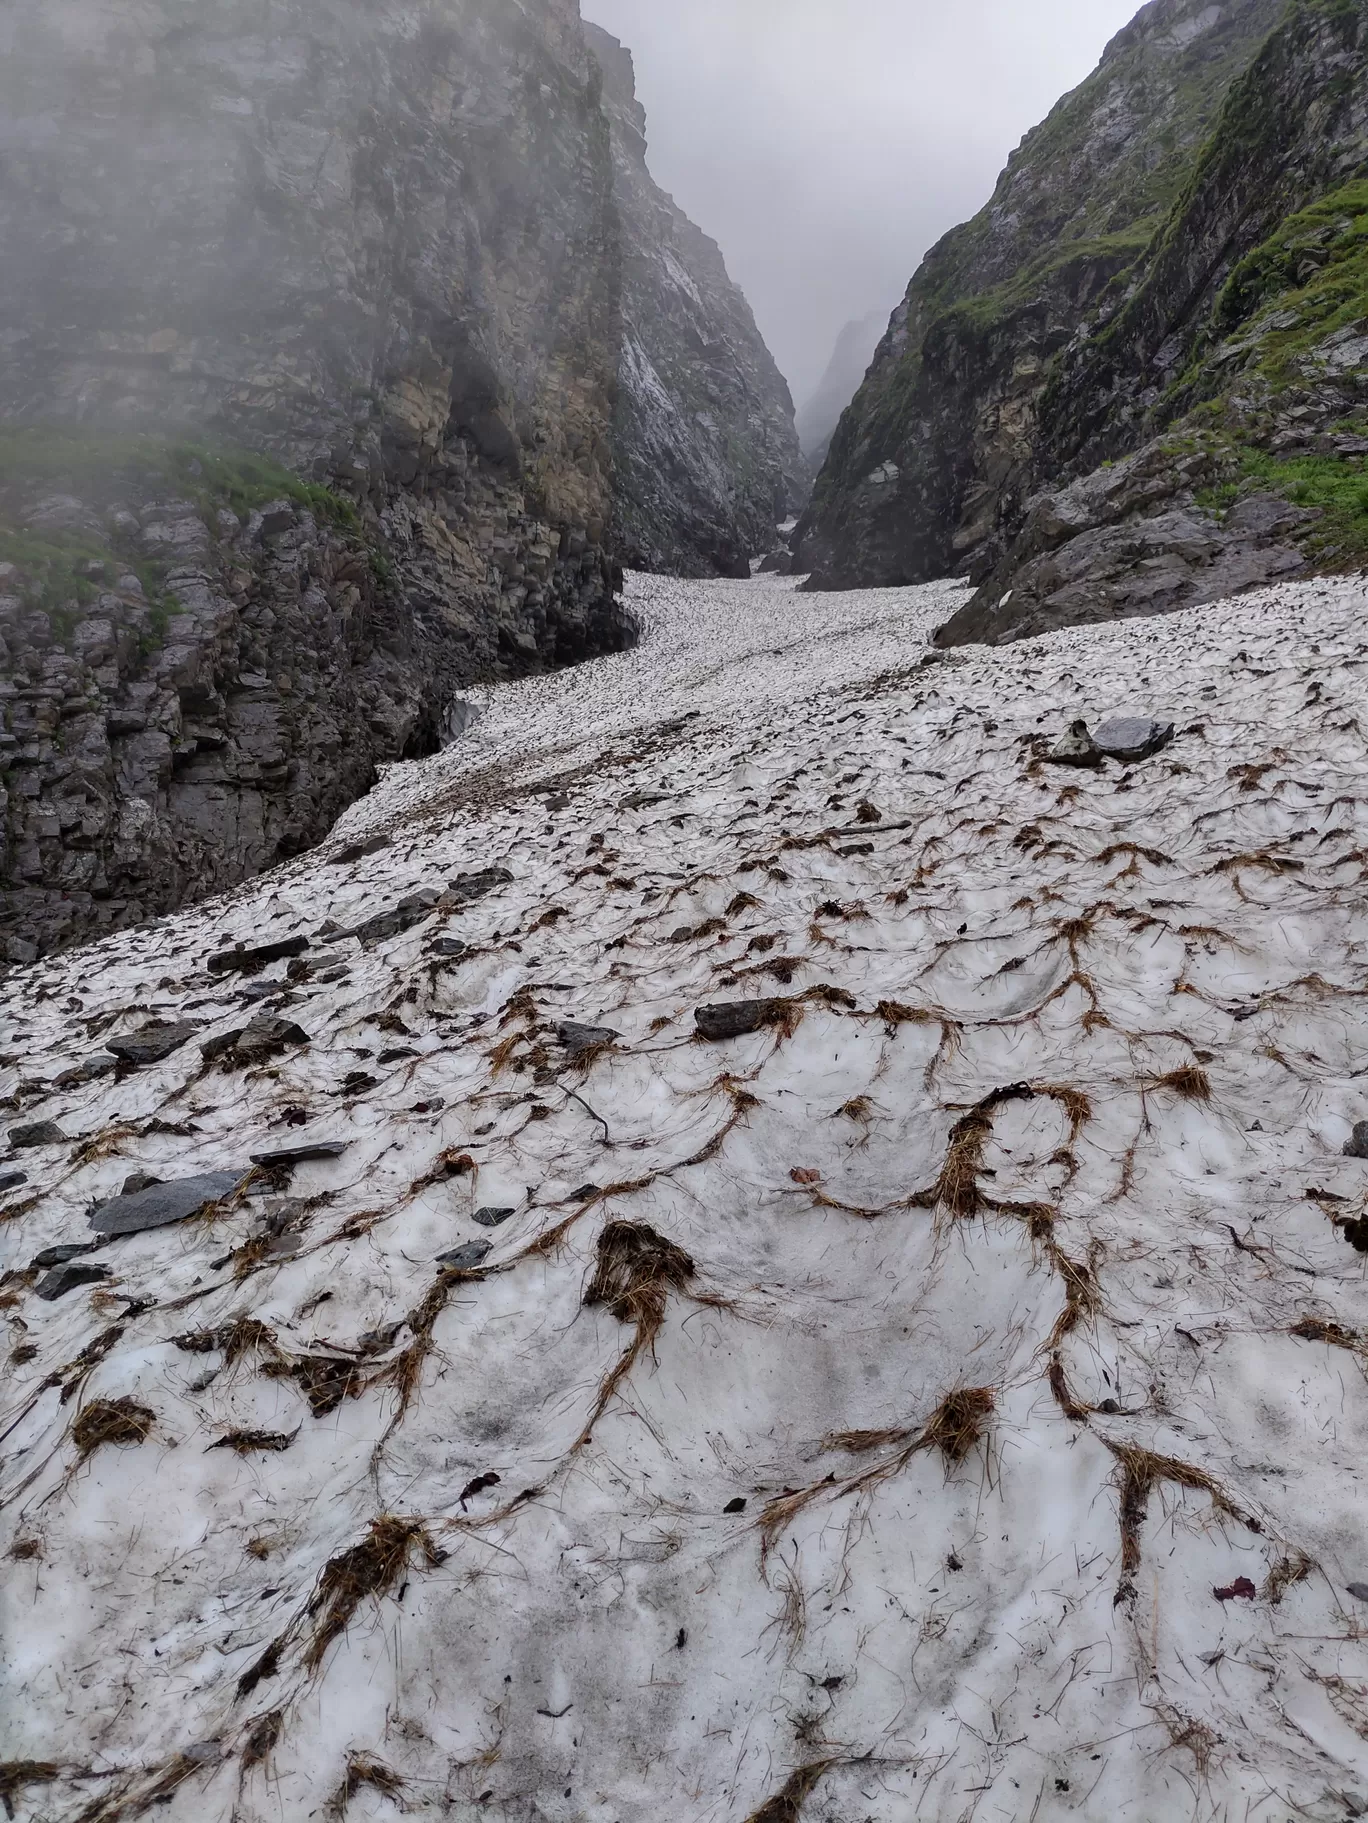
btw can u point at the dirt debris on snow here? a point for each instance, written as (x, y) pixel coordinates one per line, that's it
(936, 1392)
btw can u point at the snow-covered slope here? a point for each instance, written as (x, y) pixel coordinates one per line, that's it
(855, 1419)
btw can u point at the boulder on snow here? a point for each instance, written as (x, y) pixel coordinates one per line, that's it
(1133, 737)
(244, 961)
(37, 1133)
(467, 1258)
(580, 1038)
(164, 1204)
(1357, 1146)
(152, 1043)
(1078, 748)
(739, 1018)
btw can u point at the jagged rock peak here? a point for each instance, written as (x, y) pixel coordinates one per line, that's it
(708, 458)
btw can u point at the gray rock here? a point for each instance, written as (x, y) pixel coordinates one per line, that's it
(245, 961)
(164, 1204)
(358, 851)
(1357, 1145)
(139, 1180)
(1133, 737)
(264, 1037)
(1076, 749)
(449, 948)
(739, 1018)
(467, 1258)
(494, 1218)
(37, 1133)
(61, 1256)
(304, 1154)
(409, 912)
(469, 887)
(580, 1038)
(152, 1043)
(62, 1279)
(11, 1180)
(1359, 1590)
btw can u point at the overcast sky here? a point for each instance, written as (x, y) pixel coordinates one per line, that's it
(828, 143)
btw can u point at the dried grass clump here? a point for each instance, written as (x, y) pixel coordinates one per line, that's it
(1141, 1471)
(250, 1443)
(262, 1738)
(860, 1443)
(959, 1423)
(231, 1340)
(371, 1568)
(1285, 1575)
(118, 1421)
(1316, 1329)
(325, 1380)
(859, 1107)
(636, 1270)
(1190, 1082)
(14, 1774)
(786, 1805)
(362, 1771)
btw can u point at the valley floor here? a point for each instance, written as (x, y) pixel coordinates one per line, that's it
(946, 1401)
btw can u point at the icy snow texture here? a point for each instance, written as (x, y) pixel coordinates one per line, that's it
(1166, 968)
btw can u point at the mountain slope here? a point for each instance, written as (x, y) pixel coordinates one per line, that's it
(845, 371)
(939, 438)
(707, 456)
(1229, 378)
(947, 1397)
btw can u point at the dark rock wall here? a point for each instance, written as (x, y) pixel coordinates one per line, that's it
(378, 241)
(708, 459)
(939, 441)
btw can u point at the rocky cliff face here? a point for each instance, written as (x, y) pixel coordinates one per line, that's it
(939, 442)
(708, 459)
(1208, 431)
(379, 248)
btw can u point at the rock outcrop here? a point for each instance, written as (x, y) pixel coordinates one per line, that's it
(708, 459)
(940, 441)
(1208, 430)
(381, 248)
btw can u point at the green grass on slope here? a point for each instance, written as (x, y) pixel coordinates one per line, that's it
(1311, 277)
(1335, 486)
(62, 573)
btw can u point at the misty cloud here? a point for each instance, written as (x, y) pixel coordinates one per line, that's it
(828, 143)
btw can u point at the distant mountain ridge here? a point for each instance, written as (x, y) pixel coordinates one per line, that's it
(849, 363)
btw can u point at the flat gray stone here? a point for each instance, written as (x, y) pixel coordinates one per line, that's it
(37, 1133)
(494, 1218)
(152, 1043)
(303, 1154)
(1359, 1590)
(11, 1180)
(1133, 737)
(164, 1204)
(467, 1258)
(62, 1279)
(244, 961)
(1357, 1147)
(61, 1256)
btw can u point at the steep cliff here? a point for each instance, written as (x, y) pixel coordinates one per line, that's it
(940, 439)
(377, 243)
(708, 460)
(1208, 431)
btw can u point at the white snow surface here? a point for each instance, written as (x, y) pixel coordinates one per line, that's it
(931, 1605)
